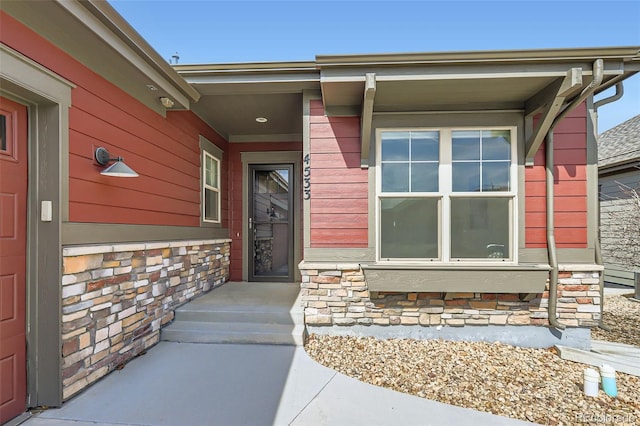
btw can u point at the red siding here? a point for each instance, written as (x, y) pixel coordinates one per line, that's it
(164, 151)
(235, 191)
(339, 188)
(570, 187)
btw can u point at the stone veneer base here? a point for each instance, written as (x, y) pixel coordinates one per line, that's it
(523, 336)
(115, 299)
(337, 295)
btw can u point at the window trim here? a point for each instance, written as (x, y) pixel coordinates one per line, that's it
(444, 195)
(209, 149)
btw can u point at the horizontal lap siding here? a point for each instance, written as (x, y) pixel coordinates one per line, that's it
(339, 186)
(235, 191)
(164, 151)
(570, 187)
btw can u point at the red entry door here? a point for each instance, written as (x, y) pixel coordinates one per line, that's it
(13, 243)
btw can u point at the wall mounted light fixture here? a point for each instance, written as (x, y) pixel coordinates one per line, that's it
(118, 169)
(166, 102)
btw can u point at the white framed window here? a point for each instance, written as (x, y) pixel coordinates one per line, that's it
(210, 188)
(446, 195)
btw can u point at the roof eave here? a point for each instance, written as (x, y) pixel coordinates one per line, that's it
(104, 12)
(610, 168)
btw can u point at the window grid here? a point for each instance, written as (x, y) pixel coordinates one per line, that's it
(481, 162)
(410, 162)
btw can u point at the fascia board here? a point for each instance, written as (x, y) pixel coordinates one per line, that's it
(245, 67)
(495, 56)
(109, 26)
(463, 71)
(252, 78)
(620, 166)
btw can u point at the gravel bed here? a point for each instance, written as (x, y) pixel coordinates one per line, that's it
(535, 385)
(623, 316)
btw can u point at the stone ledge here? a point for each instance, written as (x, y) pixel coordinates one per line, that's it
(580, 267)
(103, 248)
(333, 266)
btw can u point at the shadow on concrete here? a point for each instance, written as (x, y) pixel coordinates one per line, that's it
(190, 384)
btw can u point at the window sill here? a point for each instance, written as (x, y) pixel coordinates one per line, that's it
(483, 278)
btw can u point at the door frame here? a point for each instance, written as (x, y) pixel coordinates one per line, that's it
(48, 99)
(290, 221)
(272, 158)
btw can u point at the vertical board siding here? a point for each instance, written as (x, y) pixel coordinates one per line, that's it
(164, 151)
(235, 195)
(570, 186)
(339, 186)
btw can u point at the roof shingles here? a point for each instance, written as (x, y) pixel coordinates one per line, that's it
(620, 144)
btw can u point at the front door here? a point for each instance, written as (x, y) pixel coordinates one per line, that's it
(13, 245)
(271, 223)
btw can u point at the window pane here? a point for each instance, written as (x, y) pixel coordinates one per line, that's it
(480, 228)
(395, 177)
(466, 177)
(425, 146)
(214, 173)
(424, 177)
(465, 145)
(395, 146)
(211, 171)
(496, 145)
(211, 205)
(495, 176)
(409, 228)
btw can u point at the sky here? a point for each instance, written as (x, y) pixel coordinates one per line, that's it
(215, 31)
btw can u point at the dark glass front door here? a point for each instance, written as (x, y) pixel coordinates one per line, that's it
(271, 223)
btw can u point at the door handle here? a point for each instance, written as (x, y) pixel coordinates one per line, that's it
(250, 223)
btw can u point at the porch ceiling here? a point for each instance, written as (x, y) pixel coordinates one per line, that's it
(234, 95)
(431, 95)
(234, 116)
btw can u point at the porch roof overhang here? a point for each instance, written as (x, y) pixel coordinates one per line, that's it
(95, 34)
(234, 95)
(532, 81)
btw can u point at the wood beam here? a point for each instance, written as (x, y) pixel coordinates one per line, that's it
(549, 101)
(366, 118)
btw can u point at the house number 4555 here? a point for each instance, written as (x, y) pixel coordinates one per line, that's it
(307, 177)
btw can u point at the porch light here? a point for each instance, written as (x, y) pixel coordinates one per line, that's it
(117, 169)
(166, 102)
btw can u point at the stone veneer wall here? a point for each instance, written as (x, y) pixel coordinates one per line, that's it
(115, 298)
(337, 295)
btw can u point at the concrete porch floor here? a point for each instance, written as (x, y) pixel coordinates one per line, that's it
(226, 384)
(245, 384)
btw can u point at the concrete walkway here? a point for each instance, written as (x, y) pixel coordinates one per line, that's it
(227, 384)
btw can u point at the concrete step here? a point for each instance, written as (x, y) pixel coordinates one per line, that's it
(233, 332)
(258, 313)
(242, 314)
